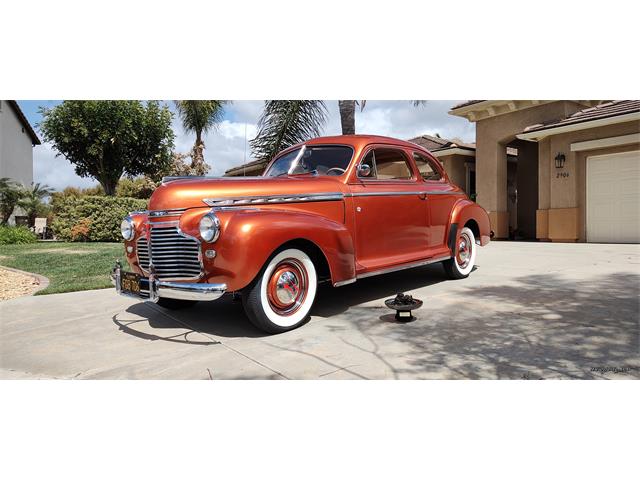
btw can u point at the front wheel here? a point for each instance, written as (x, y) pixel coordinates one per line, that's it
(464, 258)
(282, 295)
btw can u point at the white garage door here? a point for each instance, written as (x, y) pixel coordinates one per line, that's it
(613, 198)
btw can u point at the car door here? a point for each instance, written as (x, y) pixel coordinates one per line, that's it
(441, 197)
(390, 210)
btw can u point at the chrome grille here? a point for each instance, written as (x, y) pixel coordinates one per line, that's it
(142, 248)
(174, 255)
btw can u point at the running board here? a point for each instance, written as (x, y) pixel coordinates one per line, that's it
(395, 268)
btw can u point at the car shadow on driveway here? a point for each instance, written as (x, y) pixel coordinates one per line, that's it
(226, 318)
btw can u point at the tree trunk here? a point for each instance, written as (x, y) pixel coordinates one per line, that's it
(109, 187)
(347, 116)
(197, 157)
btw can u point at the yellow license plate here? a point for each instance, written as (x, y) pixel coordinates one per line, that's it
(130, 283)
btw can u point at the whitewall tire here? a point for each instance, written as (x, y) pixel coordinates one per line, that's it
(282, 295)
(464, 259)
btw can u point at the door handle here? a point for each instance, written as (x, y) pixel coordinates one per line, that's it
(422, 196)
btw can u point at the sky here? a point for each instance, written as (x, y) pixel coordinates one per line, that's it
(228, 146)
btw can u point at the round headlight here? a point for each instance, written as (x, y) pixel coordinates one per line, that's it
(127, 228)
(209, 227)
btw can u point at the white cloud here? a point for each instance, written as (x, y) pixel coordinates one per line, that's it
(227, 146)
(57, 172)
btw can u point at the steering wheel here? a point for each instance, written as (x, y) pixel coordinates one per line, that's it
(337, 169)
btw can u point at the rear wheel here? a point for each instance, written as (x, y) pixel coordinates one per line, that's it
(282, 295)
(464, 258)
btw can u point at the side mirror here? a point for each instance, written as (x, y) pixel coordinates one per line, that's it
(364, 170)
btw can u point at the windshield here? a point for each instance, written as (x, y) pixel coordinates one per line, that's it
(315, 159)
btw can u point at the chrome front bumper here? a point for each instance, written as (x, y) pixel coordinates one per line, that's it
(180, 291)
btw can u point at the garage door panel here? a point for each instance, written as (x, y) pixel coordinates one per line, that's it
(613, 198)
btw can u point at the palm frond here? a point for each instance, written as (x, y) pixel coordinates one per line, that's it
(200, 116)
(285, 123)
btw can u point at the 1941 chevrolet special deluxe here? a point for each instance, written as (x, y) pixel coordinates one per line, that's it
(334, 209)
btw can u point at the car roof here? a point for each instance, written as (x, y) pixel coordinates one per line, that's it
(361, 140)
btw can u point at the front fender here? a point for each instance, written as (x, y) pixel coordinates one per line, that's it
(465, 211)
(249, 237)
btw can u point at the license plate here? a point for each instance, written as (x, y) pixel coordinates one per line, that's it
(130, 283)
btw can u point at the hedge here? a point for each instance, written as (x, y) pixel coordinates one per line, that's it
(11, 235)
(93, 218)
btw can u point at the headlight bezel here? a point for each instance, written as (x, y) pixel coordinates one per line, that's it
(128, 225)
(210, 232)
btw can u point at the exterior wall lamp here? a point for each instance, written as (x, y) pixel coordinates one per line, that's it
(560, 159)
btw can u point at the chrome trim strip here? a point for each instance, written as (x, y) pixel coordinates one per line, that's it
(440, 192)
(404, 266)
(393, 194)
(172, 212)
(271, 199)
(345, 282)
(384, 194)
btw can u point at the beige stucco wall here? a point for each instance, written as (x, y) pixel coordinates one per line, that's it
(492, 136)
(454, 165)
(567, 194)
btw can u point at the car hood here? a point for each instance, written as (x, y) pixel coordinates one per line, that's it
(189, 193)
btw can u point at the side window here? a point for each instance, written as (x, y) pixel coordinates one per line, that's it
(426, 167)
(387, 164)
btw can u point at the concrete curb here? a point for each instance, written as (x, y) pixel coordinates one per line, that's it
(43, 282)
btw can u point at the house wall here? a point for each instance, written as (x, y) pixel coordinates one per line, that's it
(561, 214)
(454, 165)
(16, 150)
(492, 136)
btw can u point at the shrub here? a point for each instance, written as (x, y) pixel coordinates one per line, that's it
(11, 235)
(81, 230)
(93, 218)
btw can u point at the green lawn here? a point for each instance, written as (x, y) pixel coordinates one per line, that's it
(68, 266)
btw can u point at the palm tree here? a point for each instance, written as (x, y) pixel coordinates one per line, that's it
(287, 122)
(199, 117)
(31, 200)
(9, 196)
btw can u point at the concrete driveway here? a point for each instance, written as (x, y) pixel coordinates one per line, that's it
(529, 311)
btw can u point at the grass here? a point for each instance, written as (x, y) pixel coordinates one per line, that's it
(70, 267)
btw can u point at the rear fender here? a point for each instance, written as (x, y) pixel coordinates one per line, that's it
(462, 213)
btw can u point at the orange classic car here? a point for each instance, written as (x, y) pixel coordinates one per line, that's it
(333, 209)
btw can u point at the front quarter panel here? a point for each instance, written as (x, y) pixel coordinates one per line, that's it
(250, 236)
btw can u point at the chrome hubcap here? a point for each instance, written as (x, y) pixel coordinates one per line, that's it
(464, 251)
(287, 287)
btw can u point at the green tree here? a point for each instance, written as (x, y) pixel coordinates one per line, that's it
(106, 139)
(287, 122)
(199, 117)
(31, 200)
(9, 196)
